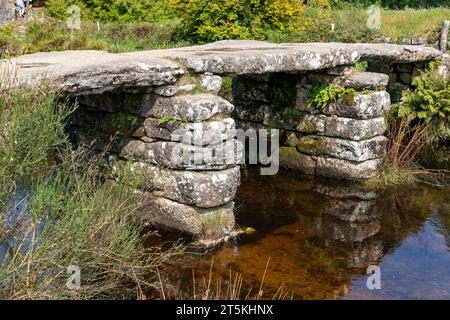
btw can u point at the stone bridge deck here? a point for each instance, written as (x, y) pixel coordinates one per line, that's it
(156, 103)
(81, 71)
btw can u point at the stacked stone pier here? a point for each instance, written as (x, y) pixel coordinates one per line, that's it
(160, 116)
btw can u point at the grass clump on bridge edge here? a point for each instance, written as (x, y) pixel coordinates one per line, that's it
(60, 213)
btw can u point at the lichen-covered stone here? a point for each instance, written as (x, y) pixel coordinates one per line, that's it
(192, 108)
(312, 124)
(171, 215)
(204, 189)
(364, 80)
(290, 138)
(210, 82)
(177, 155)
(301, 101)
(361, 106)
(201, 133)
(290, 158)
(356, 151)
(172, 90)
(347, 170)
(354, 129)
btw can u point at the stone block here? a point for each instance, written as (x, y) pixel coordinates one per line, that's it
(173, 216)
(200, 133)
(360, 106)
(356, 151)
(353, 129)
(347, 170)
(179, 156)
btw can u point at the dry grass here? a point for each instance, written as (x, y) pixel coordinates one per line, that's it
(413, 23)
(407, 139)
(232, 288)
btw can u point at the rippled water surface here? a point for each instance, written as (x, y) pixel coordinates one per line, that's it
(321, 236)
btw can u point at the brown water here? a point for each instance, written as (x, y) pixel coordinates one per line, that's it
(322, 235)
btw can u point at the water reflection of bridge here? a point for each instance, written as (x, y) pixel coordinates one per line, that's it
(319, 233)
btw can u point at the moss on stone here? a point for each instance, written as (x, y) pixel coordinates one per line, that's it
(312, 145)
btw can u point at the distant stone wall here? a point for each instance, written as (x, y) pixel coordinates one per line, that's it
(7, 9)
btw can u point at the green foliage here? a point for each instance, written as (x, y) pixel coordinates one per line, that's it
(212, 20)
(176, 121)
(226, 89)
(114, 10)
(320, 96)
(63, 214)
(112, 37)
(125, 123)
(291, 113)
(32, 122)
(429, 102)
(361, 66)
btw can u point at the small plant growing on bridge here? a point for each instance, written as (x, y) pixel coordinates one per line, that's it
(320, 96)
(167, 119)
(291, 113)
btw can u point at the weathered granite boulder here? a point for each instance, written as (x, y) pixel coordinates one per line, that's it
(364, 80)
(210, 82)
(354, 129)
(180, 156)
(201, 133)
(189, 107)
(88, 72)
(356, 151)
(171, 215)
(362, 106)
(347, 170)
(204, 189)
(312, 124)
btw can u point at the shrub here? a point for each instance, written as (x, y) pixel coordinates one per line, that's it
(212, 20)
(114, 10)
(428, 103)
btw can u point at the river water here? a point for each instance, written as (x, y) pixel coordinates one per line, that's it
(321, 236)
